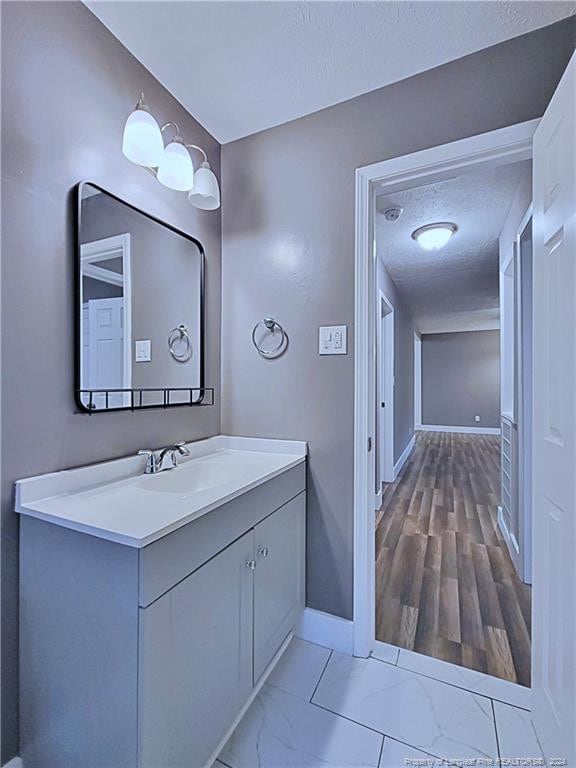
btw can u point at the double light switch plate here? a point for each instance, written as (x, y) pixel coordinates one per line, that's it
(332, 340)
(143, 351)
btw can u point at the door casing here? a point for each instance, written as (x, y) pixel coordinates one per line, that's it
(503, 146)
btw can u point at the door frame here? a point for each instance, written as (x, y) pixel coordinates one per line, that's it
(524, 430)
(385, 382)
(499, 147)
(417, 380)
(106, 248)
(509, 391)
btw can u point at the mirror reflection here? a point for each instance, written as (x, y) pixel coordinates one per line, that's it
(140, 307)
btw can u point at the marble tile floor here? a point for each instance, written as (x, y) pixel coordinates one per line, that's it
(322, 709)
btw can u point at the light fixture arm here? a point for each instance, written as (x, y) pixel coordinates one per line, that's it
(199, 149)
(141, 104)
(171, 123)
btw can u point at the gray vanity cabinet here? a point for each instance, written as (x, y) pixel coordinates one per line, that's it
(196, 660)
(278, 579)
(145, 658)
(207, 641)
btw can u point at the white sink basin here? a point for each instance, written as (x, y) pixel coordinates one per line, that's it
(195, 477)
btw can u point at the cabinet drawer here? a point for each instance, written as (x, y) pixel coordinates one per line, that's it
(169, 560)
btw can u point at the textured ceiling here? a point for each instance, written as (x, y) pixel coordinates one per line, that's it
(456, 287)
(241, 67)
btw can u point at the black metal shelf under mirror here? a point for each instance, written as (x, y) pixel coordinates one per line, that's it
(139, 305)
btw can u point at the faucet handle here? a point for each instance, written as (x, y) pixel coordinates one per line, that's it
(180, 446)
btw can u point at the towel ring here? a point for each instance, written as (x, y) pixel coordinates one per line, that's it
(176, 335)
(271, 325)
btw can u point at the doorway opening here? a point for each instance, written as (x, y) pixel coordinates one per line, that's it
(439, 568)
(449, 550)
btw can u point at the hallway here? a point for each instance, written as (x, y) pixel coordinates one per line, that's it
(445, 583)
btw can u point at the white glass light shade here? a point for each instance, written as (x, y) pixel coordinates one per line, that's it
(434, 236)
(206, 192)
(176, 170)
(142, 141)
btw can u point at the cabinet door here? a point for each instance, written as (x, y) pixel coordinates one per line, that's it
(279, 579)
(196, 660)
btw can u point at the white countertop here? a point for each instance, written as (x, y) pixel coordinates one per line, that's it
(115, 500)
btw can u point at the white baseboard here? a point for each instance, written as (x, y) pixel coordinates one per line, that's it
(404, 457)
(462, 430)
(327, 630)
(16, 762)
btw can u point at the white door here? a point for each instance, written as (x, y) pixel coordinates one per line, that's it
(554, 471)
(106, 350)
(385, 395)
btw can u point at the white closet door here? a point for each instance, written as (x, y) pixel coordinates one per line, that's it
(106, 350)
(554, 479)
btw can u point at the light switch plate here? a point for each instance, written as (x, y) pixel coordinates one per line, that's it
(143, 351)
(332, 340)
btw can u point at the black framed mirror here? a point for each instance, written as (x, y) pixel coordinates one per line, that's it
(139, 307)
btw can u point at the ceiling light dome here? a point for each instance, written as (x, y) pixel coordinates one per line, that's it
(434, 236)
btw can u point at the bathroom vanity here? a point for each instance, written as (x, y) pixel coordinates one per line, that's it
(154, 606)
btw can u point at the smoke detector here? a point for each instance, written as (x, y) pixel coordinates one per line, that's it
(392, 214)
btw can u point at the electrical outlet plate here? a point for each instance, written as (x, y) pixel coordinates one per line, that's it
(332, 340)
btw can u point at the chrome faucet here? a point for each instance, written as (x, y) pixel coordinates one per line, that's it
(155, 459)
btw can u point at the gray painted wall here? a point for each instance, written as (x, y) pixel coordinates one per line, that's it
(403, 361)
(288, 250)
(67, 87)
(461, 378)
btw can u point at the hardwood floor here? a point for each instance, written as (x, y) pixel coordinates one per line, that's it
(445, 583)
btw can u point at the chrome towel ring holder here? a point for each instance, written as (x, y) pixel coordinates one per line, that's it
(271, 325)
(179, 344)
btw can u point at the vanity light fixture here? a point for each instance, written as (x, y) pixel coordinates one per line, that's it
(432, 237)
(142, 140)
(143, 144)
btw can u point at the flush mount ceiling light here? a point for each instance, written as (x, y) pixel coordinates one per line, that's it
(143, 144)
(434, 236)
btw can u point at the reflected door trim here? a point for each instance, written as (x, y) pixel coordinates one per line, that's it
(102, 250)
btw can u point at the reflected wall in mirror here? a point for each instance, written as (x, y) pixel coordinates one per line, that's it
(140, 307)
